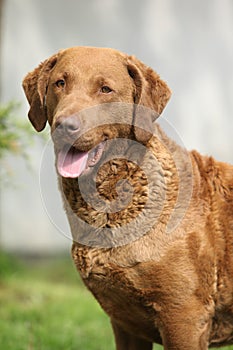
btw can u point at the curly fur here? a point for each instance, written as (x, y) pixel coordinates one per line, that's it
(172, 284)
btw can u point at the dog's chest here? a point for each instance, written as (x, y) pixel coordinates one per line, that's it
(119, 297)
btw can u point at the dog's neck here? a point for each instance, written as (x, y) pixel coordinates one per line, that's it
(148, 184)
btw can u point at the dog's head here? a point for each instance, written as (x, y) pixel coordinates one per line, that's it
(77, 85)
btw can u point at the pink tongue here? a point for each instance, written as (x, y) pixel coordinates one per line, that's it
(71, 163)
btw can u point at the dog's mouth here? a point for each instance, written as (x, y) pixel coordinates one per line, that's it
(73, 163)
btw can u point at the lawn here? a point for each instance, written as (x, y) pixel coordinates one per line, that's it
(44, 306)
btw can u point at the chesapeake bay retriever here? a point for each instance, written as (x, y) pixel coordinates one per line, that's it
(152, 223)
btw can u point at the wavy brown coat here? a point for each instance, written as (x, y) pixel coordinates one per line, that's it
(174, 288)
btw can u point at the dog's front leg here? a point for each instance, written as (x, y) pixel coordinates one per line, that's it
(185, 329)
(126, 341)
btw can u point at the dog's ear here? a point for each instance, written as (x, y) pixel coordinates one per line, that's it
(35, 85)
(150, 92)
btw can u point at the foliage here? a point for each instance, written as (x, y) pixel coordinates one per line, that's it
(16, 139)
(8, 265)
(15, 133)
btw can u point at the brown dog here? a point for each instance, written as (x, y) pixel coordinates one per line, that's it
(152, 224)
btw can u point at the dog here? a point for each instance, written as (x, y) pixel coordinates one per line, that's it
(152, 224)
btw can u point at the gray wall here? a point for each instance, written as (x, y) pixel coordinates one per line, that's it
(190, 43)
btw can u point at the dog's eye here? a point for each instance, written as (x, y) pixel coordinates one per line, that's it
(106, 89)
(60, 83)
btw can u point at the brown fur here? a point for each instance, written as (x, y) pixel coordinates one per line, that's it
(174, 288)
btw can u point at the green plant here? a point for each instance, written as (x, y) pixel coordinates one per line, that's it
(16, 137)
(8, 265)
(15, 133)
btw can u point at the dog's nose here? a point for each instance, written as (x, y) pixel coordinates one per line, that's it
(69, 125)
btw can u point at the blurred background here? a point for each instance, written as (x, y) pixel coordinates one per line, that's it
(189, 43)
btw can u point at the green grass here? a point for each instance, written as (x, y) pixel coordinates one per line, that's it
(45, 306)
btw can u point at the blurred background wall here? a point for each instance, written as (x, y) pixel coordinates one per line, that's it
(190, 44)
